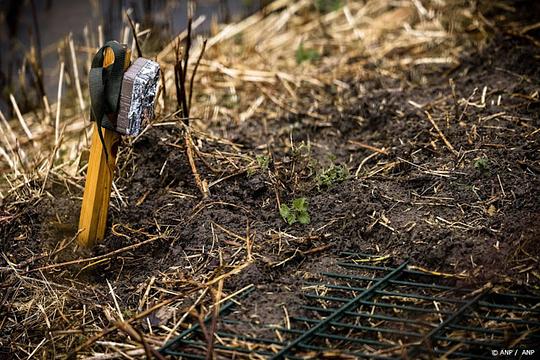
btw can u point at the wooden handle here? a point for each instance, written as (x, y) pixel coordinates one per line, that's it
(99, 177)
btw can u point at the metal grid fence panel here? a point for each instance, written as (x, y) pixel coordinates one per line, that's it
(372, 310)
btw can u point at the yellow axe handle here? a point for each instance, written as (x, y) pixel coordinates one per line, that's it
(99, 177)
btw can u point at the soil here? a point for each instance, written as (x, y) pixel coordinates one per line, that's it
(473, 210)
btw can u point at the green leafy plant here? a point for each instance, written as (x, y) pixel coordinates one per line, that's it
(262, 164)
(302, 54)
(296, 211)
(332, 175)
(263, 161)
(326, 6)
(481, 164)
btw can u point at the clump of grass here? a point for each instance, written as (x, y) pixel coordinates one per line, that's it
(305, 54)
(332, 175)
(296, 211)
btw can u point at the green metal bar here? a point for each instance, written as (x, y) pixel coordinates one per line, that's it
(504, 320)
(391, 293)
(380, 268)
(507, 307)
(517, 296)
(488, 331)
(203, 346)
(335, 337)
(339, 312)
(362, 328)
(382, 304)
(248, 338)
(395, 282)
(185, 355)
(372, 316)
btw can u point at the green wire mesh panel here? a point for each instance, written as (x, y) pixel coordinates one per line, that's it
(373, 310)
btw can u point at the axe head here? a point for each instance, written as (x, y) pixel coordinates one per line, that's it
(139, 87)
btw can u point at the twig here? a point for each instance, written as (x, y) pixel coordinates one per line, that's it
(203, 187)
(51, 160)
(121, 317)
(96, 258)
(195, 72)
(369, 147)
(186, 51)
(213, 326)
(134, 32)
(444, 139)
(47, 110)
(180, 73)
(12, 164)
(58, 104)
(181, 92)
(137, 336)
(20, 117)
(39, 70)
(39, 257)
(82, 104)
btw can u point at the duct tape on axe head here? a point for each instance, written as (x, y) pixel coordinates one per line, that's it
(121, 101)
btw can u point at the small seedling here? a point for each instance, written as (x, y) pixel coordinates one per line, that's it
(301, 151)
(333, 175)
(297, 211)
(262, 164)
(263, 161)
(302, 54)
(482, 164)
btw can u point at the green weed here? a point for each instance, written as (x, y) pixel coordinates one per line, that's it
(332, 175)
(482, 164)
(296, 211)
(263, 161)
(303, 54)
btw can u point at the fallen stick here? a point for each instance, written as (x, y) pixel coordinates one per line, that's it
(444, 139)
(44, 255)
(369, 147)
(96, 258)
